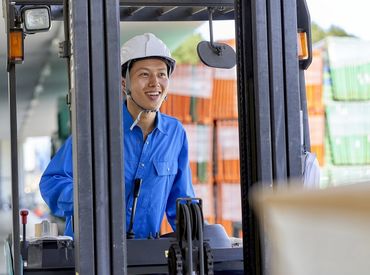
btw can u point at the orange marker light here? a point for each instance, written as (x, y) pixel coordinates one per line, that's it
(16, 52)
(302, 45)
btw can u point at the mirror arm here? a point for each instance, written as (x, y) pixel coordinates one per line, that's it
(216, 49)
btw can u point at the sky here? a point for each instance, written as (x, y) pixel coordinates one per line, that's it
(352, 16)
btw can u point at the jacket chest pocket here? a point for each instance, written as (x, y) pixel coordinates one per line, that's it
(165, 168)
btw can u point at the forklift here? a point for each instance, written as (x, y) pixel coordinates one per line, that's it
(273, 48)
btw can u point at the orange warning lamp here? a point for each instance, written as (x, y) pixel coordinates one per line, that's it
(16, 49)
(302, 45)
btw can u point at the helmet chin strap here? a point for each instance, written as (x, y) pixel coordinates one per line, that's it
(141, 112)
(129, 96)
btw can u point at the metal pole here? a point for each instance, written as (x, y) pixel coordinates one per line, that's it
(277, 92)
(306, 128)
(96, 103)
(10, 23)
(67, 50)
(115, 140)
(14, 164)
(81, 133)
(292, 93)
(247, 133)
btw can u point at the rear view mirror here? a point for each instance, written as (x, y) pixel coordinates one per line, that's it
(217, 55)
(36, 19)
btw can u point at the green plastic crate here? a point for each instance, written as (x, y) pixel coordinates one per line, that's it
(349, 62)
(348, 127)
(344, 175)
(351, 82)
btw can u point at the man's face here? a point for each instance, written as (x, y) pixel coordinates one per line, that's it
(149, 82)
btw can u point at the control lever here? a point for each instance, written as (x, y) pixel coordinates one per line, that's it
(137, 185)
(24, 214)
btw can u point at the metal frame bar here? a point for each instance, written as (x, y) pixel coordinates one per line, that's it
(247, 133)
(304, 24)
(97, 138)
(12, 97)
(269, 79)
(155, 10)
(183, 13)
(138, 3)
(82, 134)
(278, 128)
(115, 140)
(14, 167)
(262, 90)
(306, 127)
(208, 3)
(292, 93)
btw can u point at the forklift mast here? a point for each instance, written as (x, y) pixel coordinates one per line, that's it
(272, 112)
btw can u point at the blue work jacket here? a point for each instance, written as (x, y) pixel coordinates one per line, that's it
(161, 161)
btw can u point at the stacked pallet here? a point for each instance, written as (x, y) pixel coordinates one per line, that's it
(205, 100)
(177, 106)
(345, 92)
(227, 174)
(224, 97)
(189, 97)
(348, 109)
(229, 206)
(226, 140)
(315, 104)
(227, 151)
(201, 162)
(349, 132)
(200, 152)
(189, 100)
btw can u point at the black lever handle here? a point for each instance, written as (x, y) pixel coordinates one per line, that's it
(137, 186)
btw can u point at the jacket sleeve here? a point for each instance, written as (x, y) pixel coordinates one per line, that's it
(182, 186)
(56, 184)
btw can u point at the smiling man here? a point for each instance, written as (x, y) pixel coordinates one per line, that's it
(155, 145)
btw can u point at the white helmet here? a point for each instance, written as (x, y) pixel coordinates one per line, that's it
(143, 46)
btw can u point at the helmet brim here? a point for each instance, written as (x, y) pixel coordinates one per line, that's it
(171, 64)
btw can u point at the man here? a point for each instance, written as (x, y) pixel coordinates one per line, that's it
(155, 145)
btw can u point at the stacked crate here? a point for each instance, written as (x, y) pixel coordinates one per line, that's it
(226, 140)
(227, 174)
(205, 100)
(189, 100)
(190, 92)
(224, 96)
(348, 109)
(227, 151)
(315, 104)
(349, 132)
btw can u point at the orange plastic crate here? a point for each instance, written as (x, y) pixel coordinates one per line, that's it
(317, 134)
(227, 140)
